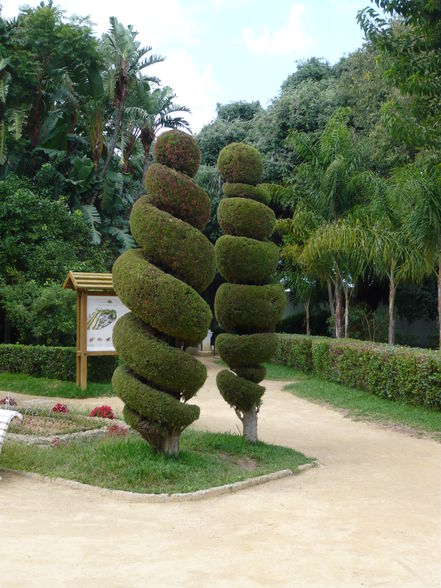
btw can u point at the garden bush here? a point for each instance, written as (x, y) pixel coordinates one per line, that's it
(247, 306)
(240, 163)
(239, 190)
(399, 373)
(53, 362)
(247, 218)
(177, 194)
(159, 283)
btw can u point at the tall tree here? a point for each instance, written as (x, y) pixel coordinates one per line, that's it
(127, 60)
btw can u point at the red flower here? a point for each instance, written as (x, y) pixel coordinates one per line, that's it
(59, 407)
(104, 412)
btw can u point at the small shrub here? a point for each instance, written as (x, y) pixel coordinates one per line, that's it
(59, 407)
(102, 412)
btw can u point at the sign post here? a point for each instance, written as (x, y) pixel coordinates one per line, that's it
(98, 309)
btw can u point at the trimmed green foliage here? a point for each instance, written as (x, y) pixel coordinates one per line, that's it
(254, 374)
(244, 309)
(247, 218)
(397, 373)
(241, 260)
(173, 244)
(52, 362)
(164, 366)
(163, 409)
(177, 194)
(241, 163)
(240, 393)
(167, 304)
(294, 351)
(179, 151)
(246, 350)
(246, 191)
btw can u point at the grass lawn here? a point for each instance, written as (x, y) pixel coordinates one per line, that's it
(48, 387)
(358, 404)
(205, 460)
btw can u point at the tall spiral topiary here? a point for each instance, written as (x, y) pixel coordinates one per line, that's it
(247, 306)
(160, 282)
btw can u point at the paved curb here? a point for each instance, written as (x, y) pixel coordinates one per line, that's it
(178, 497)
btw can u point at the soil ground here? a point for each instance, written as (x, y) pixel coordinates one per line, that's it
(369, 516)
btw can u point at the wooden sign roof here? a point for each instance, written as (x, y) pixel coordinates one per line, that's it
(89, 282)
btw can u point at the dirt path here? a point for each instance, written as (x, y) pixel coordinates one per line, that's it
(370, 515)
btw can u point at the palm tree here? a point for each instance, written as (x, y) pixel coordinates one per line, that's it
(386, 240)
(420, 188)
(150, 112)
(126, 61)
(337, 248)
(325, 179)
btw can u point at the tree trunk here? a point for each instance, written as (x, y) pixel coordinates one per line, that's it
(170, 444)
(147, 138)
(249, 422)
(392, 291)
(338, 309)
(116, 130)
(439, 299)
(347, 299)
(331, 298)
(308, 327)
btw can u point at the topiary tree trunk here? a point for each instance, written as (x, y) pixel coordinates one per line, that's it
(160, 282)
(247, 306)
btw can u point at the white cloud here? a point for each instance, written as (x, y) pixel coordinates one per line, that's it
(290, 38)
(194, 88)
(168, 22)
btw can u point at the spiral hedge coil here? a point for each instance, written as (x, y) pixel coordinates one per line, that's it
(161, 283)
(248, 306)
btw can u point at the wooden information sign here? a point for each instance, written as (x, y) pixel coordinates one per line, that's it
(98, 309)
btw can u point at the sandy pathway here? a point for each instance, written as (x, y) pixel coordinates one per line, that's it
(369, 516)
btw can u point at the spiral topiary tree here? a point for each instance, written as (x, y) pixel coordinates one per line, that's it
(161, 283)
(247, 306)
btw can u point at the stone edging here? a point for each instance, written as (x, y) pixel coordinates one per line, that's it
(177, 497)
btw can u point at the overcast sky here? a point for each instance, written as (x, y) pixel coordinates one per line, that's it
(226, 50)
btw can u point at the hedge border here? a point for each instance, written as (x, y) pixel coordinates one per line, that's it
(53, 362)
(407, 374)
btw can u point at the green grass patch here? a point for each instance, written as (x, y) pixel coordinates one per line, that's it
(48, 387)
(205, 460)
(362, 405)
(358, 404)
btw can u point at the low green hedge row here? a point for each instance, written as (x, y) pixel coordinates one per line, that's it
(398, 373)
(53, 362)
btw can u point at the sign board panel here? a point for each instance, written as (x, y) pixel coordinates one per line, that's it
(102, 314)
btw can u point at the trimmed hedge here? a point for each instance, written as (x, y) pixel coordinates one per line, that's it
(240, 190)
(242, 260)
(240, 393)
(254, 374)
(246, 218)
(169, 368)
(398, 373)
(240, 163)
(155, 406)
(53, 362)
(157, 298)
(179, 151)
(173, 244)
(246, 350)
(177, 194)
